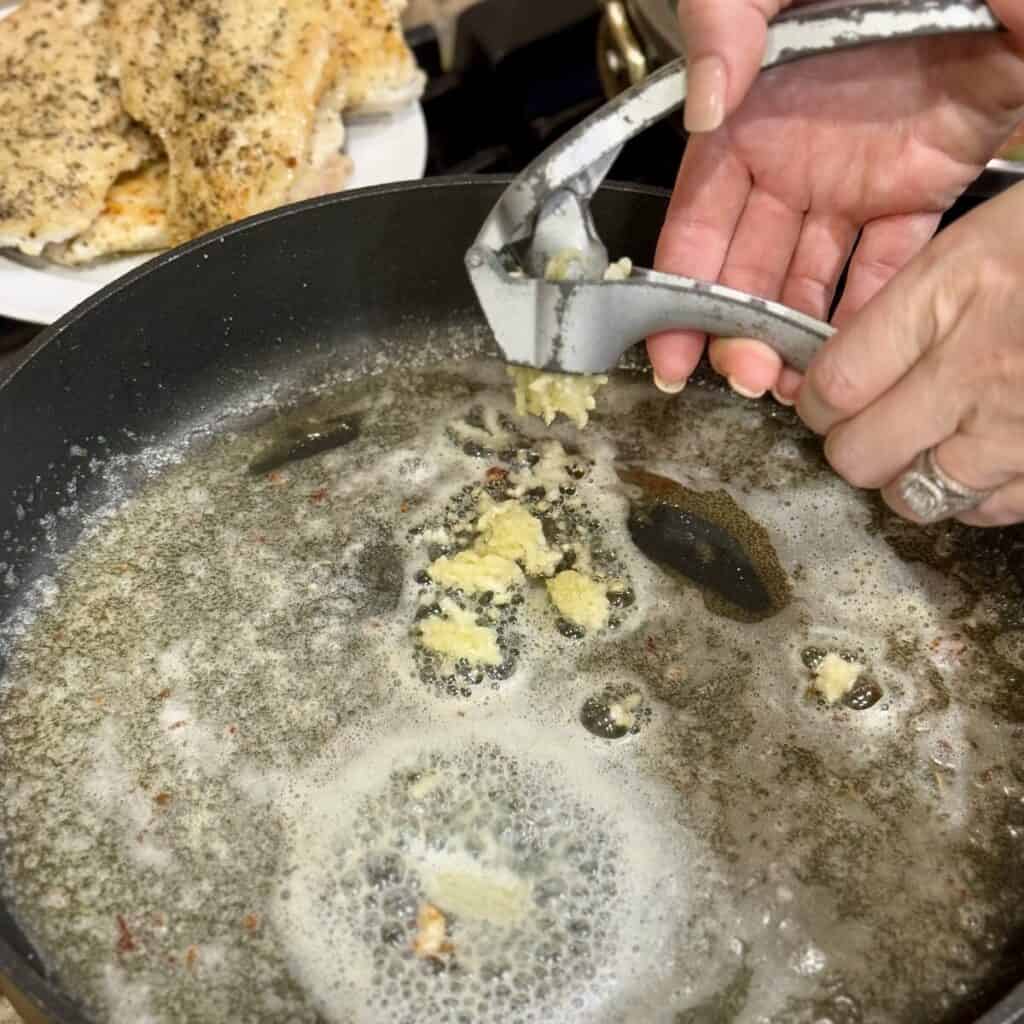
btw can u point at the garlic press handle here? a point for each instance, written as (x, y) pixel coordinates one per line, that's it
(581, 158)
(585, 325)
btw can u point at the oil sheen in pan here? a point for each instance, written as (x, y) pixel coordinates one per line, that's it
(244, 786)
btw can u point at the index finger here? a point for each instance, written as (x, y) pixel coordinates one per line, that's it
(710, 194)
(724, 42)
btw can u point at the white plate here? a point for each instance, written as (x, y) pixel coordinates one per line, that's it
(384, 150)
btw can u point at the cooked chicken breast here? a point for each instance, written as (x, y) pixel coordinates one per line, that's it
(134, 217)
(326, 169)
(377, 68)
(244, 98)
(64, 135)
(231, 88)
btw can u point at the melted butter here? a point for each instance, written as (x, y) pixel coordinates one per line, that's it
(226, 792)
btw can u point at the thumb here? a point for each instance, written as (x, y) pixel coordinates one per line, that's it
(916, 310)
(724, 43)
(881, 343)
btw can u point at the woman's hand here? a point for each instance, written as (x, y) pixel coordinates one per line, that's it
(857, 152)
(935, 361)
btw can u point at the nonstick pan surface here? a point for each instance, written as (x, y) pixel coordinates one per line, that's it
(267, 308)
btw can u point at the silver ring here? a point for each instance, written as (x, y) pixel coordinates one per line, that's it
(932, 494)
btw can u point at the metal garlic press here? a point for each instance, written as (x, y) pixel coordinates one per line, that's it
(583, 323)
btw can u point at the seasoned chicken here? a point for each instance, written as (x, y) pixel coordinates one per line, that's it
(134, 217)
(244, 99)
(232, 89)
(378, 69)
(64, 135)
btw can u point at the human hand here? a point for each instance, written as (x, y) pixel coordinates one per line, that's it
(935, 361)
(866, 147)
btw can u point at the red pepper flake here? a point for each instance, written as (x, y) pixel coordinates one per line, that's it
(191, 956)
(125, 939)
(178, 724)
(277, 478)
(319, 496)
(164, 693)
(650, 645)
(232, 730)
(496, 473)
(163, 799)
(251, 922)
(404, 506)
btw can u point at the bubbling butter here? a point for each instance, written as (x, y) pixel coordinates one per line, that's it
(523, 875)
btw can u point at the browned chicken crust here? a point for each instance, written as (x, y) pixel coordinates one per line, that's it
(243, 99)
(64, 134)
(231, 89)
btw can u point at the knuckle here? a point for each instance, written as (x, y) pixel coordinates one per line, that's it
(988, 365)
(687, 232)
(846, 463)
(830, 377)
(750, 277)
(807, 292)
(997, 511)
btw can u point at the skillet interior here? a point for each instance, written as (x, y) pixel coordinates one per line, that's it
(276, 302)
(268, 305)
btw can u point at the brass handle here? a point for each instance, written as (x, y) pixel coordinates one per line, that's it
(627, 49)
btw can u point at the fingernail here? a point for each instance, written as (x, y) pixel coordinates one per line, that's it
(783, 401)
(669, 387)
(744, 392)
(705, 94)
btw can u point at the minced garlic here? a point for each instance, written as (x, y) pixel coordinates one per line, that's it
(431, 941)
(836, 677)
(579, 599)
(475, 573)
(457, 636)
(543, 394)
(509, 531)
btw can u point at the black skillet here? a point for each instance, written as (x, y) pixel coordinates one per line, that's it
(279, 297)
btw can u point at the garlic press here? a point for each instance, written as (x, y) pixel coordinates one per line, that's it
(583, 323)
